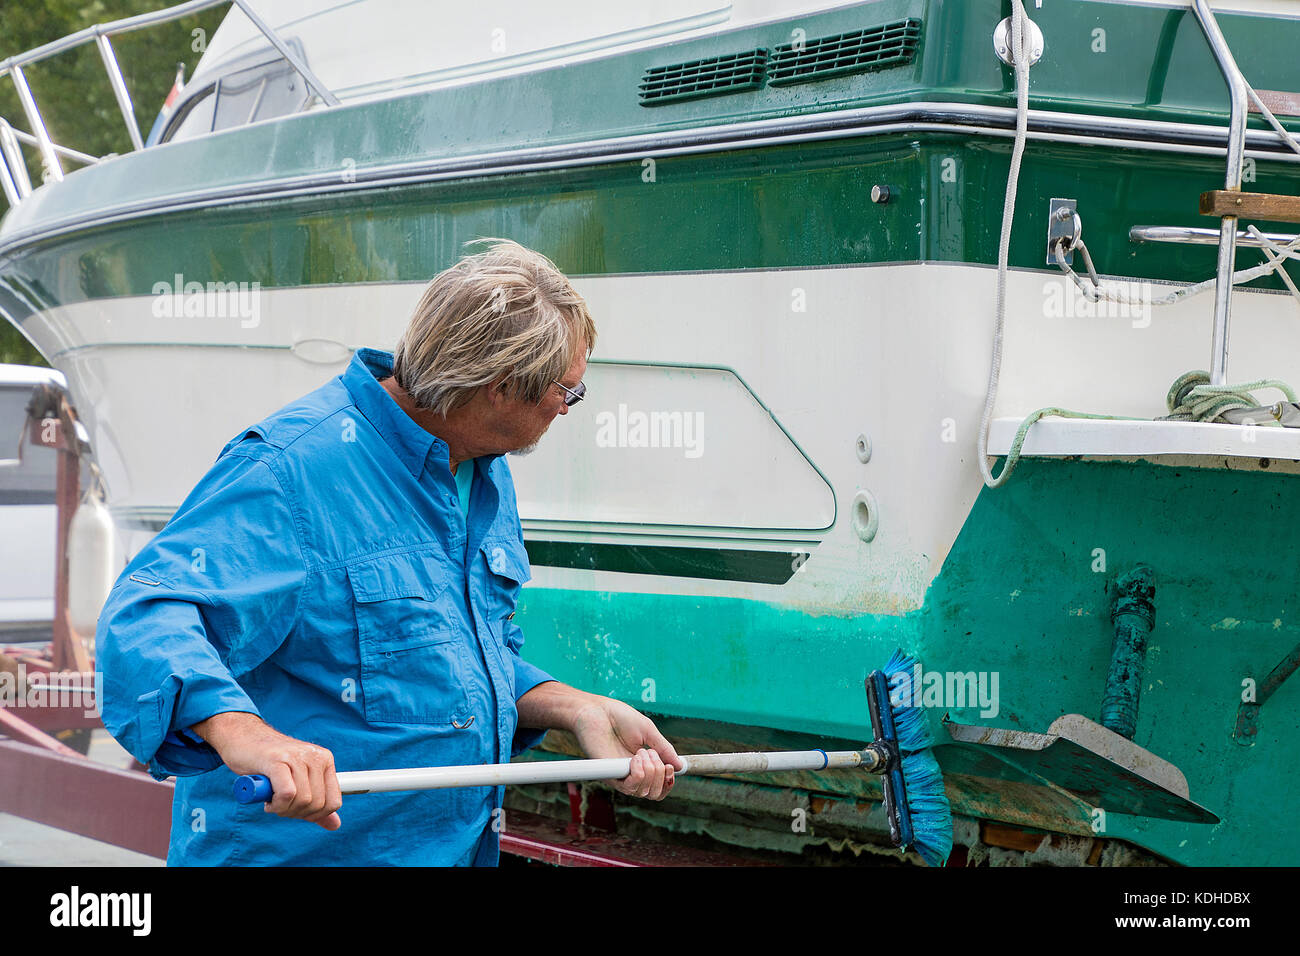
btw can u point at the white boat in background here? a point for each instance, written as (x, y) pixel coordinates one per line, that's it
(785, 217)
(27, 512)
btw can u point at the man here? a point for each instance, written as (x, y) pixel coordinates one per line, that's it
(340, 589)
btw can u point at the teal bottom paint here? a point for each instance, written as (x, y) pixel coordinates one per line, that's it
(1021, 601)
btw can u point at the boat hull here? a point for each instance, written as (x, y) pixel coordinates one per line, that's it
(774, 480)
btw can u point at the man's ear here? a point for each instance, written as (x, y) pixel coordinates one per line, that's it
(498, 391)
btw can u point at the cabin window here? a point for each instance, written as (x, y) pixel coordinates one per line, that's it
(257, 93)
(194, 118)
(264, 90)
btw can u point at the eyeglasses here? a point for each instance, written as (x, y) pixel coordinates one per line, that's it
(574, 395)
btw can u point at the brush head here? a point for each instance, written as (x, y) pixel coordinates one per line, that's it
(910, 722)
(922, 792)
(931, 812)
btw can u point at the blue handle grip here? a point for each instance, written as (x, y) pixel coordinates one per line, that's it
(253, 788)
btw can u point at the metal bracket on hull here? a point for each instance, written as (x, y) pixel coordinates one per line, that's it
(1248, 713)
(1084, 759)
(1063, 228)
(1002, 42)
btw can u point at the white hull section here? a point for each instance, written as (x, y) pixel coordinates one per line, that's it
(752, 391)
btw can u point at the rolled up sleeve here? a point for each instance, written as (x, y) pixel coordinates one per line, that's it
(212, 596)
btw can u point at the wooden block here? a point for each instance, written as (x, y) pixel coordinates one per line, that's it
(1094, 857)
(1267, 206)
(1011, 838)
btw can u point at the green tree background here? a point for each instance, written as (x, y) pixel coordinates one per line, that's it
(73, 92)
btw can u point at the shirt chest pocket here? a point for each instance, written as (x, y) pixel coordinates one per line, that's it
(507, 571)
(413, 660)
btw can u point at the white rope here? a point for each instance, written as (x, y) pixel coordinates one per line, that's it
(1201, 399)
(1275, 256)
(1272, 251)
(1020, 45)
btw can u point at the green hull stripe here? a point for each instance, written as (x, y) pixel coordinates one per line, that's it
(794, 206)
(722, 564)
(786, 207)
(1104, 58)
(719, 564)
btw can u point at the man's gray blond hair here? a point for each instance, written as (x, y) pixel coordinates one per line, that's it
(505, 312)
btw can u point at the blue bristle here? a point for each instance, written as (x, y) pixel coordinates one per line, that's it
(922, 781)
(931, 812)
(910, 723)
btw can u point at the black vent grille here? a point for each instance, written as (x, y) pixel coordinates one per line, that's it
(711, 77)
(856, 52)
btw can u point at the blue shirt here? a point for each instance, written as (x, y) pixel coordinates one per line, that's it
(323, 576)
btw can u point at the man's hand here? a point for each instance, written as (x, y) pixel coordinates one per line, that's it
(606, 728)
(610, 728)
(301, 774)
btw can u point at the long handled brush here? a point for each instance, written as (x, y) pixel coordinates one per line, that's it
(917, 809)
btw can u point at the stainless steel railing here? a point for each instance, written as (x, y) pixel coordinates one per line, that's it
(1236, 159)
(1204, 237)
(13, 171)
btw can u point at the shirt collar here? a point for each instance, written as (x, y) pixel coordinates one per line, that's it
(409, 441)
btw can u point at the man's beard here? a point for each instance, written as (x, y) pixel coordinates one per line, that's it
(532, 446)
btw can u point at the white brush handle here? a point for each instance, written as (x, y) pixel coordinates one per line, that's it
(568, 771)
(576, 771)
